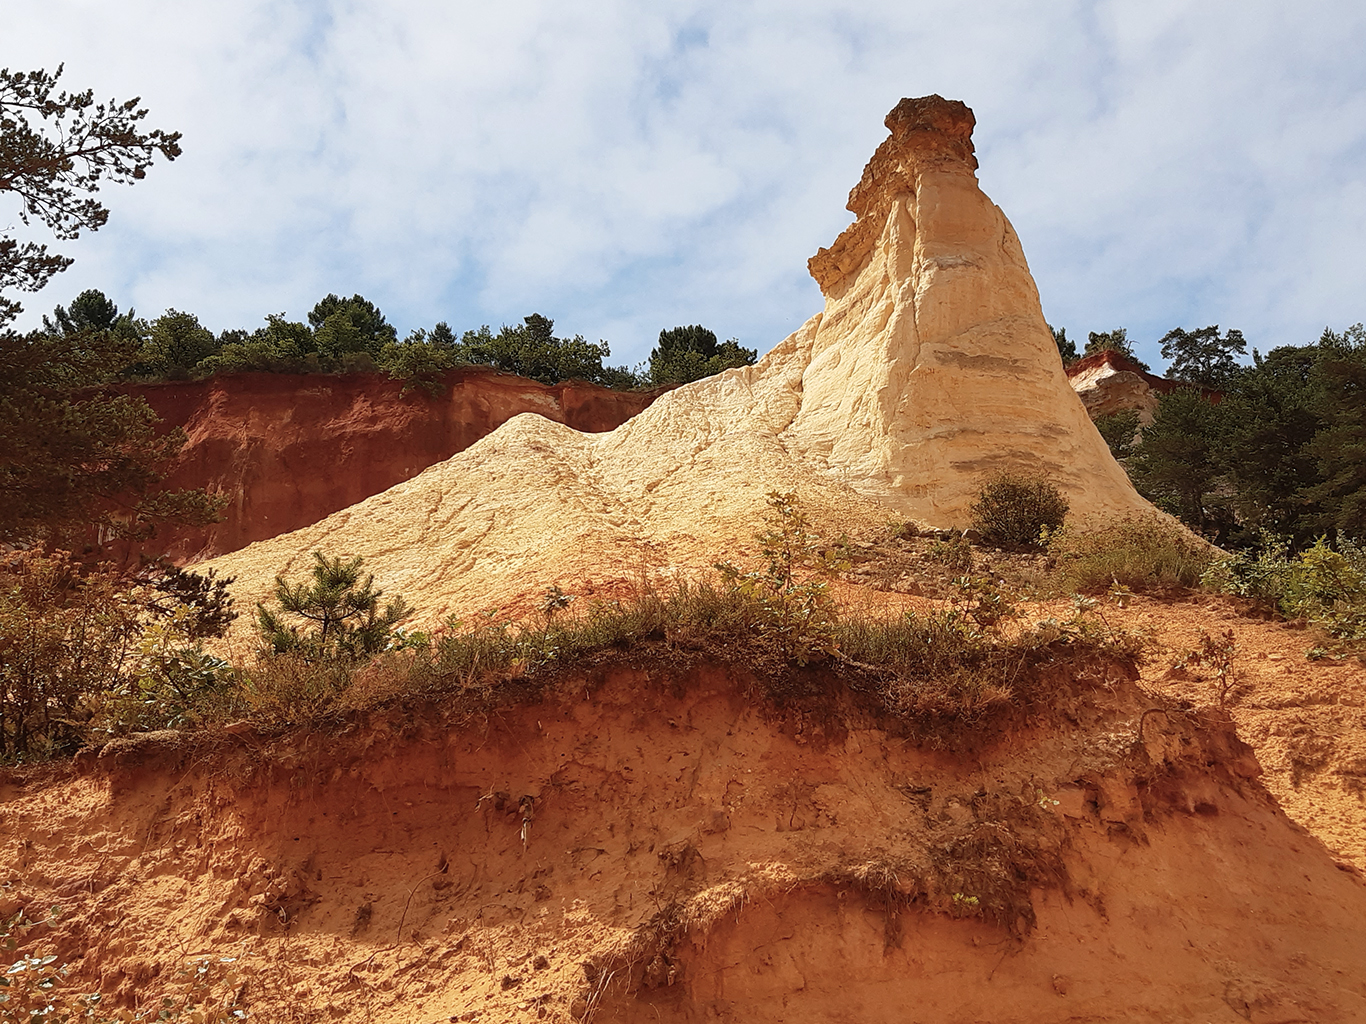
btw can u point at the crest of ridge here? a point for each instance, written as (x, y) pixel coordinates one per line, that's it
(930, 368)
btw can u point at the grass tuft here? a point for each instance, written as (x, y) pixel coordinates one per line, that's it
(1141, 553)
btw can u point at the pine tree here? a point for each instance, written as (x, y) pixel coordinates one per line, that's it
(686, 354)
(340, 609)
(1202, 357)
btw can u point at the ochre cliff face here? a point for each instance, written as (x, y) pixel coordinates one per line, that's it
(290, 450)
(932, 367)
(1109, 382)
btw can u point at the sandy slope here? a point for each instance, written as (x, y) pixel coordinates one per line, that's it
(929, 369)
(652, 846)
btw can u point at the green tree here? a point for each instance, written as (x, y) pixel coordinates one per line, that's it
(282, 346)
(91, 310)
(1273, 413)
(1340, 445)
(1177, 463)
(350, 327)
(176, 344)
(341, 613)
(1120, 431)
(1203, 357)
(532, 350)
(75, 458)
(93, 313)
(442, 336)
(686, 354)
(1067, 348)
(71, 457)
(56, 150)
(422, 357)
(1112, 341)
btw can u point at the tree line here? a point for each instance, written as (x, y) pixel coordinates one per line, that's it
(79, 459)
(352, 335)
(1247, 453)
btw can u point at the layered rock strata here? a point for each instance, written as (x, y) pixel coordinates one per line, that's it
(290, 450)
(1110, 382)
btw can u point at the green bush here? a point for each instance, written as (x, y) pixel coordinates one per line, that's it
(1321, 585)
(1014, 510)
(1150, 552)
(88, 652)
(954, 553)
(340, 611)
(798, 610)
(953, 663)
(65, 633)
(168, 682)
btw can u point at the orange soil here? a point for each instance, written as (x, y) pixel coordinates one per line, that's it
(289, 450)
(1306, 719)
(650, 844)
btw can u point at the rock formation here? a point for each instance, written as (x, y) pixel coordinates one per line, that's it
(932, 365)
(1108, 382)
(648, 844)
(291, 450)
(930, 368)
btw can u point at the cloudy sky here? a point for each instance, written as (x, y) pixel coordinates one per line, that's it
(623, 167)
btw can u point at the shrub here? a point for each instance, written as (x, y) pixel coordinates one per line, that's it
(798, 610)
(64, 635)
(168, 682)
(954, 553)
(1324, 586)
(1140, 553)
(342, 618)
(85, 650)
(1015, 510)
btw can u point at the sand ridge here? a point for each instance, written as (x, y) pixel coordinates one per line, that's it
(930, 368)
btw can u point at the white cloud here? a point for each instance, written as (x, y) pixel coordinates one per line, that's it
(623, 167)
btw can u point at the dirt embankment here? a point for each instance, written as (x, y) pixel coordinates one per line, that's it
(290, 450)
(650, 844)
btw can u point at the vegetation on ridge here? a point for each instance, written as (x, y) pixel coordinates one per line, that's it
(84, 656)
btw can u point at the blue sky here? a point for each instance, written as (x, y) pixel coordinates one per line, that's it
(623, 167)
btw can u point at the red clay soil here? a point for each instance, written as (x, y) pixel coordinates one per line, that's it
(653, 845)
(290, 450)
(1306, 719)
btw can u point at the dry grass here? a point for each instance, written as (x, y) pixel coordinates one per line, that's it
(956, 664)
(1138, 553)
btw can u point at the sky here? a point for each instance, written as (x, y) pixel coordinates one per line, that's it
(625, 167)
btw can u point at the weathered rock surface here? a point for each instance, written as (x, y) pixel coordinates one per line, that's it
(291, 450)
(1109, 382)
(932, 365)
(647, 845)
(930, 368)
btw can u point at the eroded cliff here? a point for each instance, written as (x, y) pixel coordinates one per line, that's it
(289, 450)
(930, 369)
(644, 842)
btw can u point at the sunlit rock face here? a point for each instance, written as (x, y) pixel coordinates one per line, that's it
(1109, 382)
(932, 365)
(929, 369)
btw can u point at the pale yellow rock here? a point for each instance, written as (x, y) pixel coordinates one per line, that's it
(930, 368)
